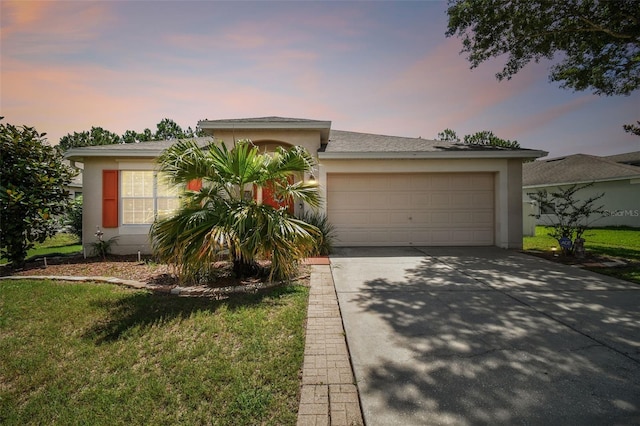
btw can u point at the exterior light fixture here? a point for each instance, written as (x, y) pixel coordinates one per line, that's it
(312, 179)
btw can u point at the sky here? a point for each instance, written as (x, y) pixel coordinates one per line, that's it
(372, 67)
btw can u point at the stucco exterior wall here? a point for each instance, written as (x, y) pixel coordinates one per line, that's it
(309, 139)
(134, 238)
(508, 196)
(621, 202)
(130, 238)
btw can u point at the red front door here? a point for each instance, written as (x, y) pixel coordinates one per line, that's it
(269, 198)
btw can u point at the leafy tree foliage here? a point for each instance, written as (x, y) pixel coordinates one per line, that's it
(597, 42)
(95, 136)
(634, 129)
(570, 215)
(224, 216)
(484, 137)
(448, 135)
(165, 129)
(73, 217)
(32, 194)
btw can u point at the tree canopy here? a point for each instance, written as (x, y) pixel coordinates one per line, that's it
(483, 137)
(165, 129)
(32, 190)
(596, 43)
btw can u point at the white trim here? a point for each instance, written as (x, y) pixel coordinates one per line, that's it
(427, 155)
(135, 165)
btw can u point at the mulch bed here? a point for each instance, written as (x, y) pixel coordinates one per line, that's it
(126, 268)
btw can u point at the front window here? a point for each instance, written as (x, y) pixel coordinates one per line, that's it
(146, 196)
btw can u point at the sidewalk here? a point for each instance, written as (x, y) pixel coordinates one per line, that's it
(329, 395)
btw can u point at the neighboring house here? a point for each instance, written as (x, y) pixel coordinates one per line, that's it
(377, 190)
(75, 186)
(617, 176)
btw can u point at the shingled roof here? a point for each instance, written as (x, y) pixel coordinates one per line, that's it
(577, 168)
(343, 142)
(631, 158)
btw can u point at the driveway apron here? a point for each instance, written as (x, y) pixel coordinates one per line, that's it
(471, 336)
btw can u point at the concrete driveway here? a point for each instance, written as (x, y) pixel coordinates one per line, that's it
(472, 336)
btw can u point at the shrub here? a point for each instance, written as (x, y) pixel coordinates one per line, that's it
(327, 236)
(73, 218)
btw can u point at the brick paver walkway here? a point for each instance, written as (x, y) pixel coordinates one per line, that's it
(329, 395)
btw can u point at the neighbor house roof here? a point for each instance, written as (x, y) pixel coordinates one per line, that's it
(631, 158)
(577, 168)
(354, 145)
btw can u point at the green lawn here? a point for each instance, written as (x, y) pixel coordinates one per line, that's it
(621, 243)
(100, 354)
(59, 244)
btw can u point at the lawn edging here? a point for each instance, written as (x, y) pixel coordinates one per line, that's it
(196, 291)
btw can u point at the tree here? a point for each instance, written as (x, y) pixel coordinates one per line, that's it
(93, 137)
(225, 216)
(568, 215)
(130, 136)
(165, 129)
(634, 129)
(32, 193)
(448, 135)
(487, 138)
(597, 42)
(484, 137)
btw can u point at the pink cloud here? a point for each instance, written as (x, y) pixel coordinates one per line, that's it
(532, 123)
(445, 92)
(42, 27)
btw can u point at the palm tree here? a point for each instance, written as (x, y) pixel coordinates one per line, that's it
(224, 215)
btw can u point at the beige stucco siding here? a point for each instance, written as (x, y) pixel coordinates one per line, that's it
(309, 139)
(130, 238)
(621, 202)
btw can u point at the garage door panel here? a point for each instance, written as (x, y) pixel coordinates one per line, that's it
(440, 200)
(412, 209)
(419, 183)
(420, 200)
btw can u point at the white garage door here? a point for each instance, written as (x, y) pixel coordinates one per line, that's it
(412, 209)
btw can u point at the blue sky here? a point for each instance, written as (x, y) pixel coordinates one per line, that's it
(378, 67)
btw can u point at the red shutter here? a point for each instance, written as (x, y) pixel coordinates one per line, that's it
(109, 198)
(194, 185)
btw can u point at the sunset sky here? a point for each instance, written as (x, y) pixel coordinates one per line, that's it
(375, 67)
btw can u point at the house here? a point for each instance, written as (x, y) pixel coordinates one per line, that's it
(617, 176)
(377, 190)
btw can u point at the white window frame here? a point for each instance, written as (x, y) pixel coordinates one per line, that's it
(154, 197)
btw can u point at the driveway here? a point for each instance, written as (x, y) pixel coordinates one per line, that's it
(472, 336)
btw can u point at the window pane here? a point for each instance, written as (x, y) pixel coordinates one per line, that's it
(167, 206)
(137, 183)
(137, 211)
(165, 189)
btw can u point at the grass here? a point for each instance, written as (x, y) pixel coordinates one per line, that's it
(105, 355)
(617, 242)
(59, 244)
